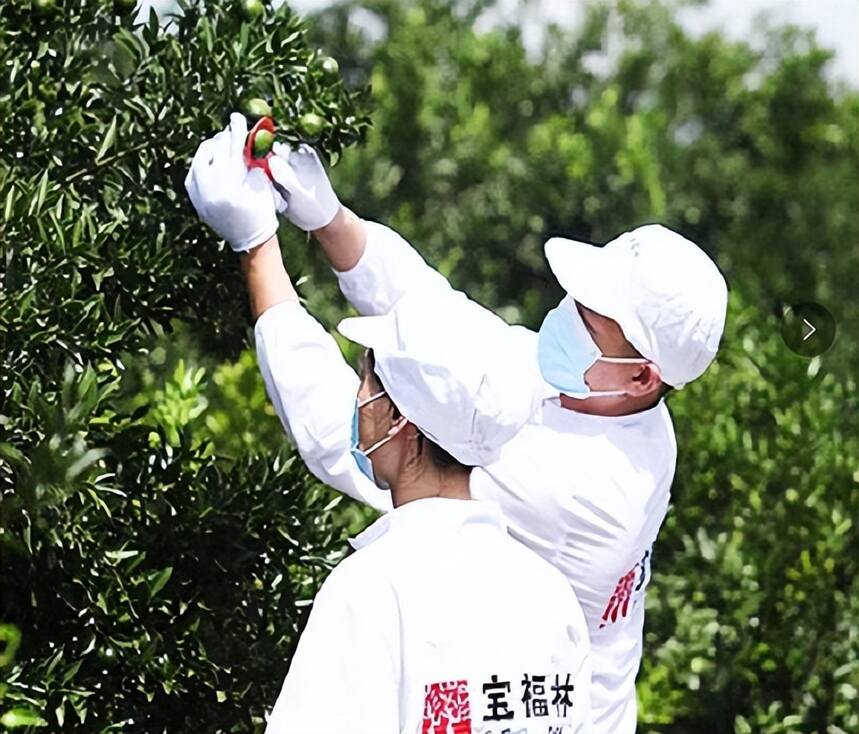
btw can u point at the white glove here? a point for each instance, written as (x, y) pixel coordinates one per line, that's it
(238, 204)
(310, 202)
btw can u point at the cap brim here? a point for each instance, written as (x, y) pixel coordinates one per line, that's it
(591, 275)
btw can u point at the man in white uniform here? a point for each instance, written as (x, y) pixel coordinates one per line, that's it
(440, 623)
(586, 446)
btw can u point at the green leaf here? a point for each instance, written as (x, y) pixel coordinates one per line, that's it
(9, 208)
(42, 193)
(58, 655)
(18, 717)
(121, 554)
(10, 637)
(160, 580)
(82, 463)
(107, 142)
(12, 455)
(60, 713)
(72, 671)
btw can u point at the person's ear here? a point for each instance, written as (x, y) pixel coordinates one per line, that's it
(644, 381)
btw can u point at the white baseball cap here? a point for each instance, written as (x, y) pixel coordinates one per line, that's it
(665, 292)
(452, 370)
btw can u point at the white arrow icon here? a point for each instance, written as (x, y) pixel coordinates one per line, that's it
(805, 321)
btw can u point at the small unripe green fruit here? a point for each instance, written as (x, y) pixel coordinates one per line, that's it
(253, 9)
(311, 124)
(263, 142)
(256, 108)
(44, 6)
(329, 66)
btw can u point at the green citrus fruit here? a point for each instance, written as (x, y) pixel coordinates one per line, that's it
(44, 6)
(255, 108)
(329, 66)
(253, 9)
(311, 124)
(263, 142)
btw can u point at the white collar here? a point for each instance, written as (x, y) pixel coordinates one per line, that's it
(431, 515)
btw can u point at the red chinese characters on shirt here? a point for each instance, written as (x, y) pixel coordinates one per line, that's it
(618, 604)
(447, 709)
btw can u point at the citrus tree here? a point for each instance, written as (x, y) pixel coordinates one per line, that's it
(157, 584)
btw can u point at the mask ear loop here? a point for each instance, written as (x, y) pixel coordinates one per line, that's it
(624, 360)
(392, 432)
(367, 401)
(358, 405)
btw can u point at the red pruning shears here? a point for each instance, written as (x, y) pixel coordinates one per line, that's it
(251, 161)
(264, 124)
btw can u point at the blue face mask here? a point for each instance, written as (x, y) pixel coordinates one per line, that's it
(566, 350)
(362, 456)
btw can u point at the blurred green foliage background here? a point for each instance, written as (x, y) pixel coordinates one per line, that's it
(160, 542)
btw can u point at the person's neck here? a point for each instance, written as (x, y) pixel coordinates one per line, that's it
(431, 483)
(609, 407)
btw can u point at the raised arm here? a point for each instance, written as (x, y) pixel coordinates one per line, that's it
(266, 278)
(374, 265)
(308, 381)
(343, 240)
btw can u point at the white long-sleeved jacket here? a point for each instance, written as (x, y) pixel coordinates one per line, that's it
(588, 493)
(440, 623)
